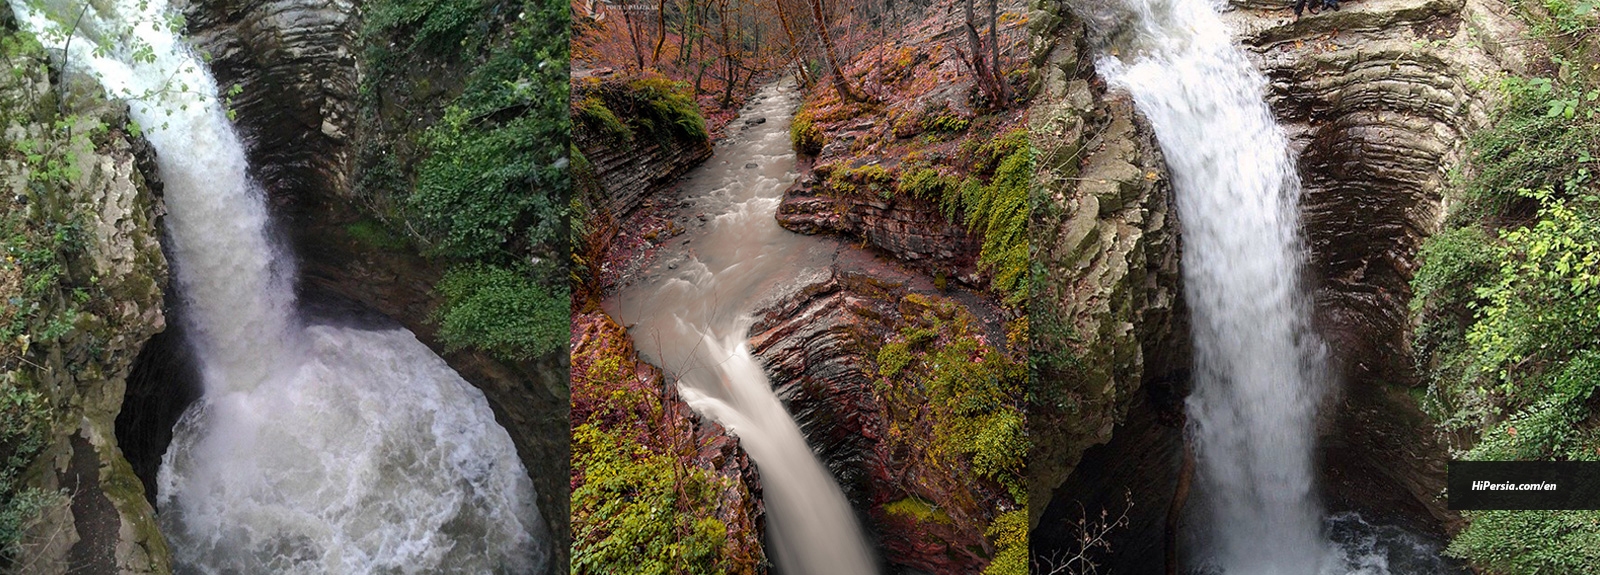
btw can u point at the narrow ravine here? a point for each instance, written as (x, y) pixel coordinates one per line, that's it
(690, 315)
(316, 447)
(1260, 371)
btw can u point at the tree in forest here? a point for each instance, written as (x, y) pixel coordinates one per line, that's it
(840, 81)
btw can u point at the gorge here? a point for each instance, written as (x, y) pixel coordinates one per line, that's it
(694, 322)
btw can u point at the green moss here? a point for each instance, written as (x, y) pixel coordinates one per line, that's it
(594, 114)
(917, 509)
(805, 134)
(630, 514)
(373, 233)
(668, 107)
(958, 397)
(870, 179)
(940, 119)
(926, 183)
(622, 107)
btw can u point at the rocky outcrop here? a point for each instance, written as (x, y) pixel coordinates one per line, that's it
(113, 281)
(1379, 99)
(627, 173)
(817, 339)
(910, 229)
(636, 403)
(1104, 230)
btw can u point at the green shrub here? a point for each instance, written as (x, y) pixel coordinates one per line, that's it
(24, 427)
(440, 26)
(1530, 542)
(1544, 303)
(1009, 533)
(501, 310)
(1544, 137)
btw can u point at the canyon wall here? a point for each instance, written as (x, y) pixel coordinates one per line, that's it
(108, 294)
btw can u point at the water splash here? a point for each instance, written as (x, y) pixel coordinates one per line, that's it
(693, 321)
(1259, 369)
(315, 449)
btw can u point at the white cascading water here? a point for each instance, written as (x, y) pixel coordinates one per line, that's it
(1259, 369)
(692, 319)
(315, 448)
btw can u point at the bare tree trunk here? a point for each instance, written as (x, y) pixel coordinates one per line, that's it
(661, 30)
(795, 52)
(840, 82)
(975, 51)
(633, 35)
(994, 52)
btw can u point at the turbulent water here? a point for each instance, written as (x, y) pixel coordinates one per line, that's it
(315, 448)
(691, 316)
(1258, 367)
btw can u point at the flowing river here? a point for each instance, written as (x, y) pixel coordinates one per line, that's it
(315, 448)
(690, 315)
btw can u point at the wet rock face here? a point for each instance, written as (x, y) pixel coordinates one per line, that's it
(295, 62)
(106, 525)
(1109, 318)
(815, 341)
(1379, 97)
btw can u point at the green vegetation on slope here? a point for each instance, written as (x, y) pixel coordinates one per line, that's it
(953, 405)
(643, 501)
(986, 191)
(483, 186)
(47, 300)
(1508, 298)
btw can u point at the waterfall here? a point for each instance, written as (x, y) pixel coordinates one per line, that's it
(316, 448)
(1259, 369)
(692, 319)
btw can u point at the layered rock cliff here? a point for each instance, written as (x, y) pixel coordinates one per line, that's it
(821, 341)
(1107, 308)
